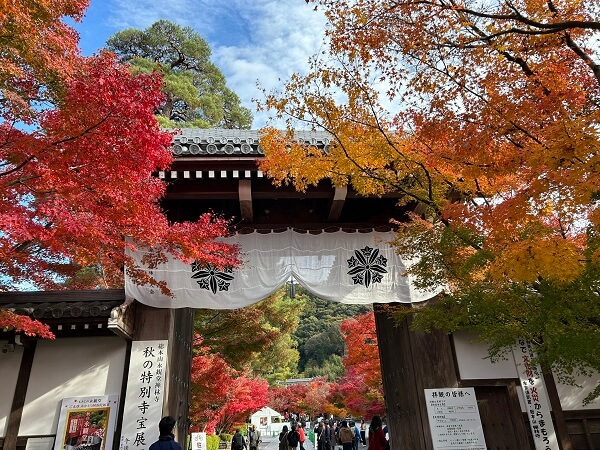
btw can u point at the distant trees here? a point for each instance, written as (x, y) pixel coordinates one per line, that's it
(195, 90)
(243, 349)
(220, 396)
(237, 354)
(320, 343)
(361, 386)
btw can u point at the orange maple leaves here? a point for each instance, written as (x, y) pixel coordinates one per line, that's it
(496, 109)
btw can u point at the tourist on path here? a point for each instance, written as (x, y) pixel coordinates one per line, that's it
(377, 440)
(293, 438)
(254, 438)
(363, 432)
(166, 439)
(356, 438)
(345, 435)
(238, 442)
(283, 442)
(323, 436)
(302, 435)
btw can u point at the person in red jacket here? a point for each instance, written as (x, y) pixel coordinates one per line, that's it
(377, 440)
(302, 436)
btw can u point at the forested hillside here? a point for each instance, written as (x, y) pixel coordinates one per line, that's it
(320, 343)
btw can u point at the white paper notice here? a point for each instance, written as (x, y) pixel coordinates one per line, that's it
(454, 419)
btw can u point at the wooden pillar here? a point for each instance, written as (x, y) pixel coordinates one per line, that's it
(16, 410)
(562, 433)
(410, 363)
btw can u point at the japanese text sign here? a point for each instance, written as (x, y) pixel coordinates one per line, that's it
(144, 395)
(536, 399)
(454, 419)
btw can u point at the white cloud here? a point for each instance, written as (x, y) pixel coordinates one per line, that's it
(262, 41)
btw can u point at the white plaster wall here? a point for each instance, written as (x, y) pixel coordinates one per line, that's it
(9, 372)
(474, 363)
(571, 397)
(70, 367)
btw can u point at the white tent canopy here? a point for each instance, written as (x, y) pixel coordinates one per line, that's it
(357, 268)
(267, 421)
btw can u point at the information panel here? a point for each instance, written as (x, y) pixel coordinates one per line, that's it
(144, 396)
(454, 419)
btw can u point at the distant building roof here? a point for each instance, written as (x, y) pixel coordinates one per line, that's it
(219, 141)
(292, 381)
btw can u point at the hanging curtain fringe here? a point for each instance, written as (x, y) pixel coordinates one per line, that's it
(353, 268)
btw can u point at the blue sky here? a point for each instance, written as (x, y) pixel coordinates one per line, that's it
(262, 41)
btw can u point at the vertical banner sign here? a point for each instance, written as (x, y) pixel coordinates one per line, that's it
(199, 441)
(536, 399)
(144, 395)
(86, 423)
(454, 419)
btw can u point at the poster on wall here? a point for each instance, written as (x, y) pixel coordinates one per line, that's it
(454, 419)
(144, 395)
(87, 423)
(536, 398)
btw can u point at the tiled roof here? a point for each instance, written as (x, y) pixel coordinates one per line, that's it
(63, 310)
(63, 304)
(219, 141)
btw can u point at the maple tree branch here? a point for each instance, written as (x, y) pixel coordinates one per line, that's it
(595, 68)
(54, 144)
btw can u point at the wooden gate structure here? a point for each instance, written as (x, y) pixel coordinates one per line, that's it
(216, 170)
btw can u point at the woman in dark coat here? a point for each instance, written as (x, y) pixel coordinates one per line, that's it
(283, 443)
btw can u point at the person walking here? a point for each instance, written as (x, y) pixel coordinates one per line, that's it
(166, 439)
(333, 437)
(283, 441)
(293, 438)
(345, 436)
(363, 432)
(254, 438)
(302, 435)
(238, 442)
(323, 436)
(356, 438)
(377, 440)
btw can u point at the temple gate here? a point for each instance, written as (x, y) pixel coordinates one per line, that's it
(215, 170)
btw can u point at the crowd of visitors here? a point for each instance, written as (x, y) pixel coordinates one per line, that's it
(331, 434)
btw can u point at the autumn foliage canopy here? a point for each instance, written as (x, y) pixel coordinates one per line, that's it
(485, 116)
(78, 146)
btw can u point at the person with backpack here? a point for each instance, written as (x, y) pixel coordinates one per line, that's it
(346, 435)
(283, 443)
(357, 436)
(293, 438)
(238, 442)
